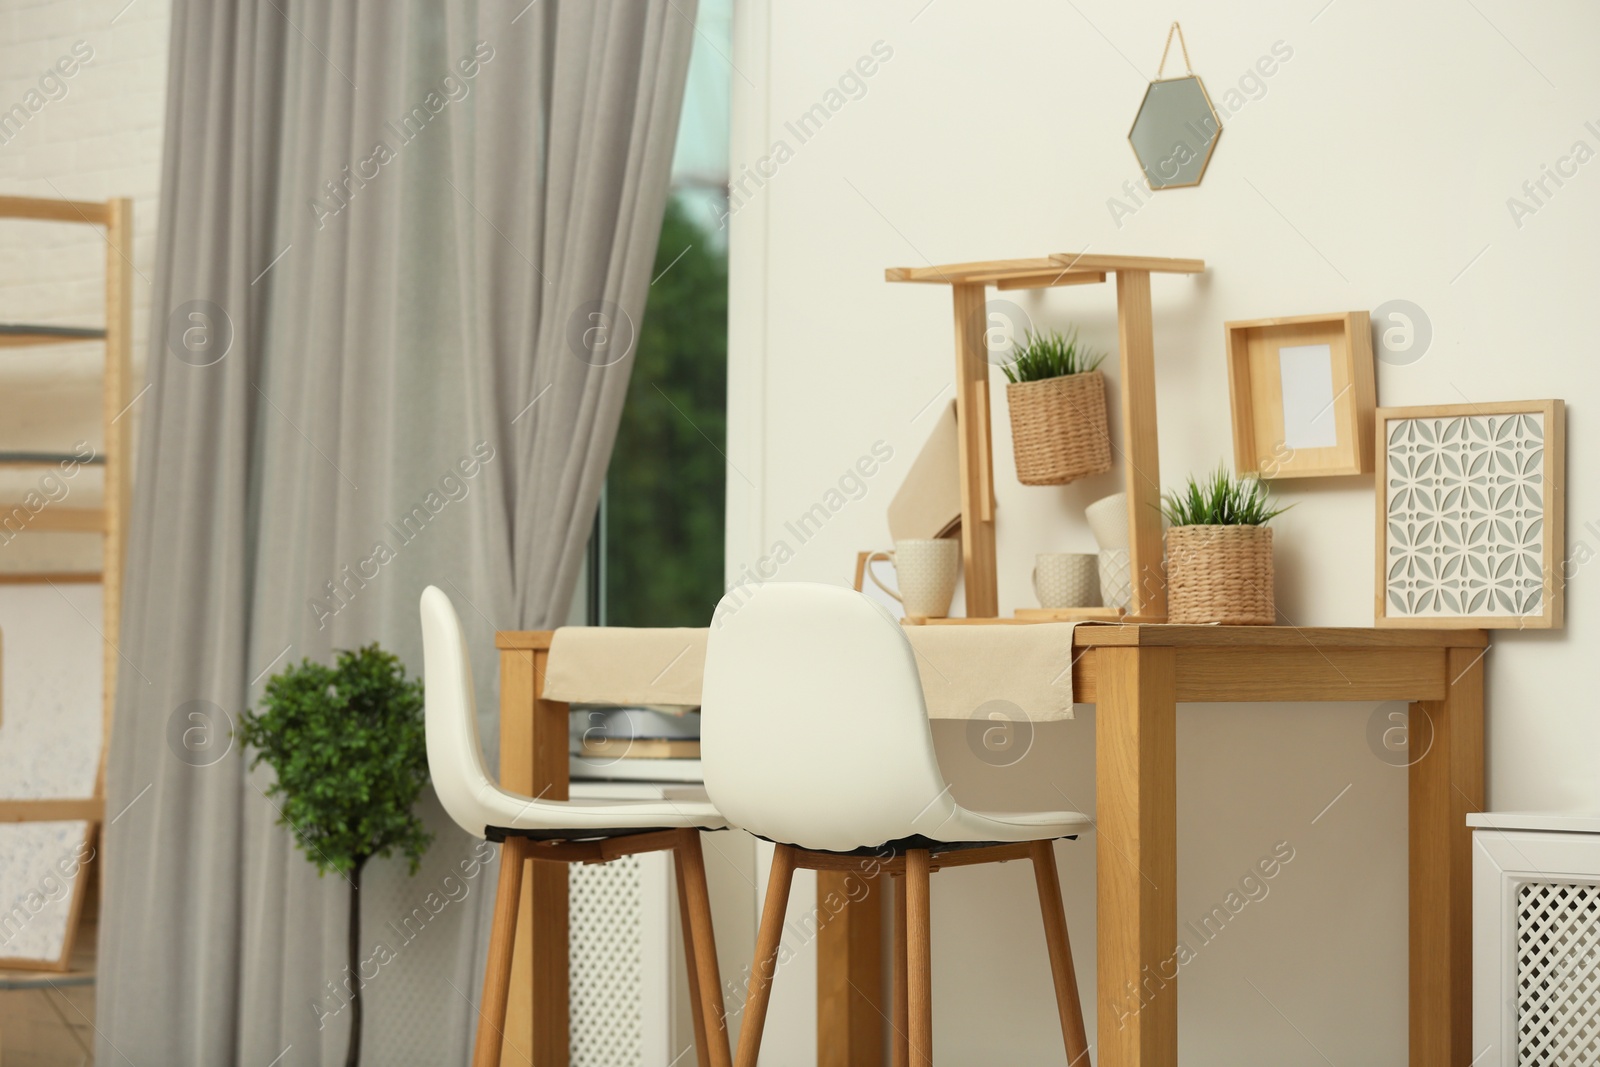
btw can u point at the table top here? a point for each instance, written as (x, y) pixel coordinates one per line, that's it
(1179, 636)
(1155, 635)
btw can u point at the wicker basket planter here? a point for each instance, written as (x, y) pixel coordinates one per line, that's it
(1058, 428)
(1220, 574)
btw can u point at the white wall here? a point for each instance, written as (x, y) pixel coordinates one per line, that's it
(93, 135)
(1375, 163)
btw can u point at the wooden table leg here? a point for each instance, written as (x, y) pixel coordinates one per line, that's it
(533, 761)
(1137, 856)
(850, 1008)
(1446, 783)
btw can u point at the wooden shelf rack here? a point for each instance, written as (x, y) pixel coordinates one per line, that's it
(16, 335)
(110, 520)
(969, 284)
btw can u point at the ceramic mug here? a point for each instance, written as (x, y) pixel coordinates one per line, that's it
(926, 571)
(1116, 578)
(1067, 580)
(1108, 518)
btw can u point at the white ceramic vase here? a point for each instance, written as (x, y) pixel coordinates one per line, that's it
(1108, 520)
(1116, 578)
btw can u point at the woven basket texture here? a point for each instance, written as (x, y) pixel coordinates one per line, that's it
(1058, 428)
(1220, 574)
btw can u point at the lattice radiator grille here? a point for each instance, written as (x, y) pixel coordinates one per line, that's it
(1558, 974)
(606, 958)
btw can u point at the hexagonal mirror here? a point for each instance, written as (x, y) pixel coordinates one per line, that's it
(1175, 132)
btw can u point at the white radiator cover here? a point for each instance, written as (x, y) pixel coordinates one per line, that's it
(618, 961)
(1536, 940)
(628, 1001)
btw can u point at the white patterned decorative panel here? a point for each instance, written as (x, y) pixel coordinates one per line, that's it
(1465, 507)
(606, 948)
(1558, 974)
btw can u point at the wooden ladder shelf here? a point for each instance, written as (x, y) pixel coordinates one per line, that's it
(969, 284)
(110, 520)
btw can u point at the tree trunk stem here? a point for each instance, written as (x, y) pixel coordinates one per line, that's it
(353, 1055)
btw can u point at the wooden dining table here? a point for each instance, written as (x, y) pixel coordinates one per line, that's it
(1136, 676)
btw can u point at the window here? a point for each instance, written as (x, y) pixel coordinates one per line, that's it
(656, 559)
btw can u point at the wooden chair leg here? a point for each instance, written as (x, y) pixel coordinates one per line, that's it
(702, 1048)
(900, 1039)
(1055, 936)
(502, 937)
(700, 950)
(766, 962)
(919, 959)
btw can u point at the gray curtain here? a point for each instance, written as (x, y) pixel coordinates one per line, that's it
(402, 250)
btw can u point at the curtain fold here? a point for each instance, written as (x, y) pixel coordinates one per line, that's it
(396, 223)
(615, 93)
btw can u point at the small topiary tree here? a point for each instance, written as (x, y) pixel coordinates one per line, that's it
(350, 748)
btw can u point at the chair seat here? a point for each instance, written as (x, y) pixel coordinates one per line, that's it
(951, 824)
(1012, 826)
(509, 812)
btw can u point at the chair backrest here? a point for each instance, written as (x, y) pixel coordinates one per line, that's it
(813, 729)
(455, 760)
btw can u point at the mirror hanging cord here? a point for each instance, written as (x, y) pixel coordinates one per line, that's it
(1182, 45)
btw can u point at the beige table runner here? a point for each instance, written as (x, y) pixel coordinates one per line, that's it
(963, 668)
(626, 665)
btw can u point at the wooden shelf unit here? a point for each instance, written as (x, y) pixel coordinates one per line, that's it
(969, 284)
(15, 335)
(110, 520)
(46, 459)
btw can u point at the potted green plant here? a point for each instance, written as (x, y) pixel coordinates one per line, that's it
(1057, 398)
(350, 750)
(1219, 551)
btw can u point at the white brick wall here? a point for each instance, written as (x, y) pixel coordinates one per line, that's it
(100, 138)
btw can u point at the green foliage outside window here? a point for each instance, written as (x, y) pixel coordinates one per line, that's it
(666, 487)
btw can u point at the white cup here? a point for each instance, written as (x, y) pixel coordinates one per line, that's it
(1067, 580)
(926, 571)
(1108, 519)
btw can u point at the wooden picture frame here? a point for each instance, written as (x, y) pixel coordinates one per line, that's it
(1291, 417)
(1471, 513)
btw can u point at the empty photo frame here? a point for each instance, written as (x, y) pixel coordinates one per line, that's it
(1470, 515)
(1303, 393)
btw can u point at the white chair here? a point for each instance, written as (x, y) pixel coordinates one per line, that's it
(560, 831)
(814, 735)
